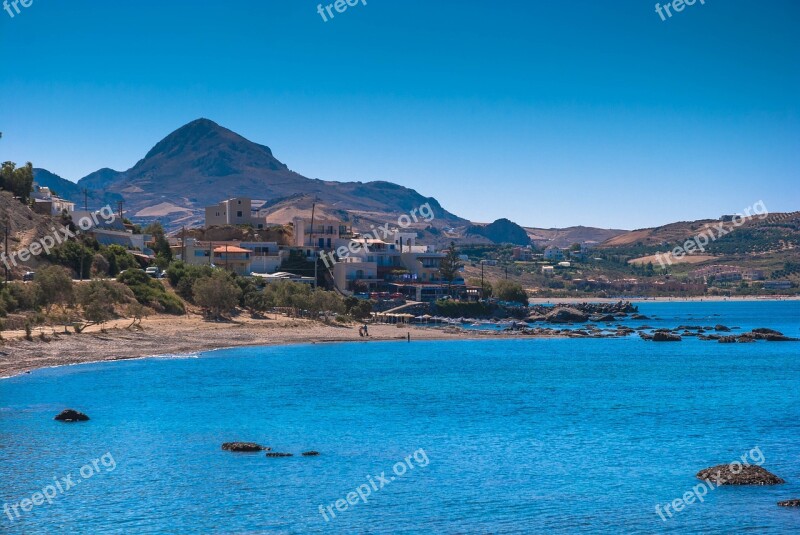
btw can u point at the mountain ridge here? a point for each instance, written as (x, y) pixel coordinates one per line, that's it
(203, 163)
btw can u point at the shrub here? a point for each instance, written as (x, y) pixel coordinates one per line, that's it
(151, 292)
(506, 290)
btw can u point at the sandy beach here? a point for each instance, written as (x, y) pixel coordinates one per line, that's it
(166, 335)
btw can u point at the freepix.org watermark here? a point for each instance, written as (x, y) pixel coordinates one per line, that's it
(700, 490)
(59, 487)
(57, 237)
(374, 484)
(676, 5)
(340, 6)
(699, 242)
(378, 233)
(8, 5)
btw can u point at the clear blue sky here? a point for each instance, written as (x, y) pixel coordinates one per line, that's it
(550, 113)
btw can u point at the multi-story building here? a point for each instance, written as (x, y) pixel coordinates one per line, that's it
(235, 211)
(47, 202)
(553, 253)
(324, 234)
(245, 258)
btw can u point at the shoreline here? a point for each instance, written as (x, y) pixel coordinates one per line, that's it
(164, 335)
(170, 335)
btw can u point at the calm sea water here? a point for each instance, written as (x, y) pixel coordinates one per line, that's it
(520, 436)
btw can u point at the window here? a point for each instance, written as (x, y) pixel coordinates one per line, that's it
(239, 213)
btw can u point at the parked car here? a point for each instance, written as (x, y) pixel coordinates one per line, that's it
(29, 276)
(153, 271)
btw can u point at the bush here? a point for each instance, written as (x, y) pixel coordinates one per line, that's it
(183, 276)
(151, 292)
(506, 290)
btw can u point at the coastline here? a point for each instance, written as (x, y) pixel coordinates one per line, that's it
(183, 335)
(171, 335)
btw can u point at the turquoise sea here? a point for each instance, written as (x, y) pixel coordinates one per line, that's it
(494, 436)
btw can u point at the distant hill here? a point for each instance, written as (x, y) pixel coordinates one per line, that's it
(70, 190)
(501, 231)
(777, 232)
(564, 237)
(203, 163)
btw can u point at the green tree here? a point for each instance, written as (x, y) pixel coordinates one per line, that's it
(54, 285)
(450, 265)
(217, 294)
(18, 181)
(506, 290)
(161, 245)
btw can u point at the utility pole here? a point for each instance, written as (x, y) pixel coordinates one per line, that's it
(311, 239)
(482, 296)
(119, 209)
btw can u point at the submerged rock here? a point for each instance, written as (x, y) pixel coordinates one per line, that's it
(277, 454)
(727, 340)
(242, 446)
(311, 453)
(738, 474)
(790, 503)
(721, 328)
(71, 415)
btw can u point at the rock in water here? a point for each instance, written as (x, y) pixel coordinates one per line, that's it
(311, 453)
(276, 454)
(71, 415)
(790, 503)
(738, 474)
(662, 336)
(566, 315)
(763, 330)
(242, 446)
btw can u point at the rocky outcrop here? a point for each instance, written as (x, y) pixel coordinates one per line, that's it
(602, 318)
(243, 446)
(727, 340)
(721, 328)
(71, 415)
(738, 474)
(764, 330)
(767, 334)
(790, 503)
(566, 315)
(665, 336)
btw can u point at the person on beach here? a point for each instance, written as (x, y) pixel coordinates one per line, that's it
(366, 331)
(361, 332)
